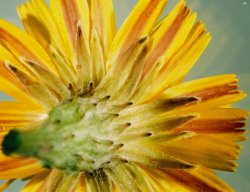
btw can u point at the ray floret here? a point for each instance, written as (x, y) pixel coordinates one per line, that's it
(100, 110)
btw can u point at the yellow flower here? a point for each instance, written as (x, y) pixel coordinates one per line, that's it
(101, 110)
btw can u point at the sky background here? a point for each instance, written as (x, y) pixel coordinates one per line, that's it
(229, 23)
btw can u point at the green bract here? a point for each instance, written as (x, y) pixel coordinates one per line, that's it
(73, 138)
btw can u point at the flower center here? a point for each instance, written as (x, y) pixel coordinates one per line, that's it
(73, 138)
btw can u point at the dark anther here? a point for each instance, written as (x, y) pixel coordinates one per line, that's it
(130, 103)
(91, 85)
(120, 145)
(107, 97)
(116, 115)
(124, 160)
(91, 88)
(147, 134)
(91, 174)
(14, 69)
(143, 39)
(129, 124)
(70, 87)
(79, 31)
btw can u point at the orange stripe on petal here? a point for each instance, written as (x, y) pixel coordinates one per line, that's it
(22, 45)
(173, 31)
(172, 68)
(214, 126)
(71, 17)
(67, 14)
(212, 151)
(138, 25)
(214, 91)
(104, 21)
(199, 179)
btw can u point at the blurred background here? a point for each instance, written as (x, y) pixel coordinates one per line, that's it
(229, 23)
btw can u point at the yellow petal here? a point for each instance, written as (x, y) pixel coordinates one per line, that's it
(130, 177)
(122, 70)
(150, 109)
(213, 92)
(173, 31)
(18, 167)
(98, 181)
(85, 68)
(178, 66)
(198, 179)
(68, 182)
(34, 24)
(18, 115)
(23, 45)
(59, 181)
(11, 90)
(148, 155)
(212, 151)
(10, 66)
(36, 88)
(98, 68)
(137, 25)
(165, 182)
(52, 181)
(216, 121)
(158, 124)
(65, 68)
(103, 21)
(81, 185)
(46, 76)
(67, 14)
(35, 182)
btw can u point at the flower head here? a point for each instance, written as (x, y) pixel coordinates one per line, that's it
(103, 110)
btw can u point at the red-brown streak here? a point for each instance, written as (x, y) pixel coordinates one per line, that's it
(213, 126)
(190, 181)
(215, 92)
(139, 25)
(173, 65)
(19, 47)
(166, 39)
(15, 162)
(11, 77)
(71, 16)
(5, 73)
